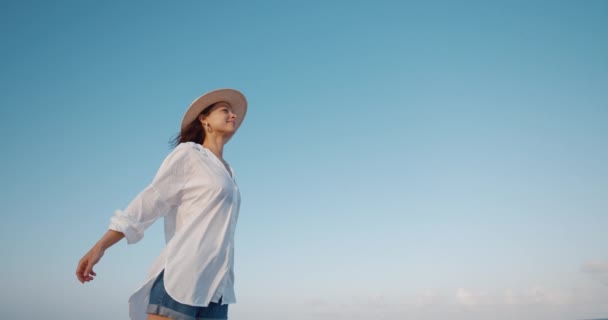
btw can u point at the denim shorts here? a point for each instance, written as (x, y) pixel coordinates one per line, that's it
(163, 305)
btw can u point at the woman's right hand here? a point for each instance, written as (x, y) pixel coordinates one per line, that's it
(84, 271)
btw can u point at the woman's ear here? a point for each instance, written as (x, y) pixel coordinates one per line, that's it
(201, 118)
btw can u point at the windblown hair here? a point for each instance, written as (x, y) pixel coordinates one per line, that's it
(193, 132)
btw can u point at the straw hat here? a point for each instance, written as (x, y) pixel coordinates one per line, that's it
(235, 98)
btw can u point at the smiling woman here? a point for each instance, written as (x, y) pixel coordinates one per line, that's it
(224, 120)
(195, 191)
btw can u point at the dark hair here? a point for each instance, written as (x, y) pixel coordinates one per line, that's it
(193, 132)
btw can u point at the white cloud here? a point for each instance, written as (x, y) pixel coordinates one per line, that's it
(425, 298)
(534, 295)
(597, 270)
(470, 298)
(531, 303)
(595, 267)
(545, 296)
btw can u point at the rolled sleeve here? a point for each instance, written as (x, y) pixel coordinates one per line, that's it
(157, 198)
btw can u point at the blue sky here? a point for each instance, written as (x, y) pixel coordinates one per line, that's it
(398, 159)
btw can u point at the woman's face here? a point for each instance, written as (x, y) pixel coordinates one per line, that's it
(221, 119)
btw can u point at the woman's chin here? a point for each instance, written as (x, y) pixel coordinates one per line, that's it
(229, 133)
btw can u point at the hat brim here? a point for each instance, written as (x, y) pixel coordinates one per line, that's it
(234, 97)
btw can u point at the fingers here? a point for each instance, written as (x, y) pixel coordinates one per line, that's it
(88, 272)
(84, 271)
(82, 264)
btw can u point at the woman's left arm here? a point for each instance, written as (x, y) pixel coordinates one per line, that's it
(157, 198)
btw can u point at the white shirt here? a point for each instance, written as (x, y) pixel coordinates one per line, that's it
(200, 201)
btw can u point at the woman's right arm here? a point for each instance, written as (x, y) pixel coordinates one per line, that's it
(84, 271)
(149, 205)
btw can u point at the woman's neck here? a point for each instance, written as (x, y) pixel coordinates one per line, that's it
(216, 146)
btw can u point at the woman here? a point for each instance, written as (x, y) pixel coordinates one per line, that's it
(195, 191)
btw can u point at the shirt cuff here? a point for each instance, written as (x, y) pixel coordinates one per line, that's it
(132, 230)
